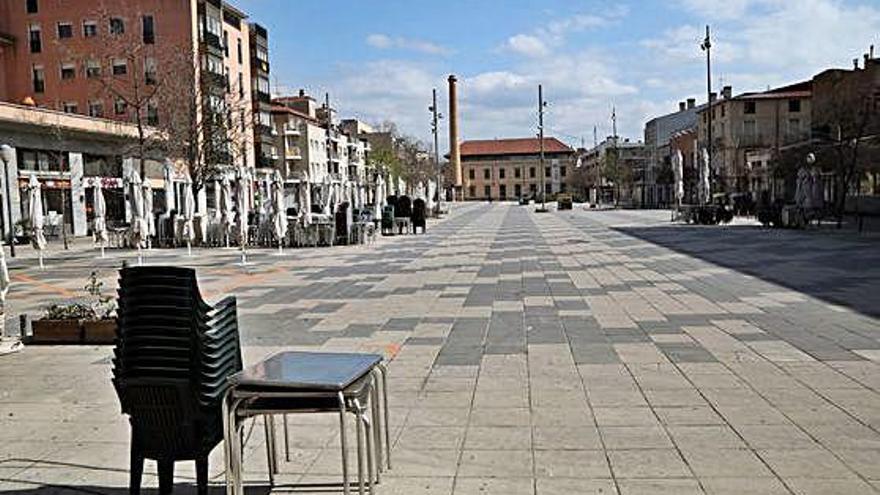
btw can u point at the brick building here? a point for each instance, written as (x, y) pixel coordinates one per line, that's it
(503, 169)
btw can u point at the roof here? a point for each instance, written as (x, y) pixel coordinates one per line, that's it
(803, 89)
(288, 110)
(518, 146)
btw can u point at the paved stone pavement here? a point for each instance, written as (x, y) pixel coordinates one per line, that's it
(563, 353)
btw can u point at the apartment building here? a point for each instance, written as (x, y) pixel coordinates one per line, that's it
(614, 170)
(305, 144)
(503, 169)
(657, 190)
(59, 56)
(264, 140)
(748, 131)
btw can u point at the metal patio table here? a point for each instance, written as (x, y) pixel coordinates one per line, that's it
(308, 382)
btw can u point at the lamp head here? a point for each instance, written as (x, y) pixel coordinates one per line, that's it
(6, 153)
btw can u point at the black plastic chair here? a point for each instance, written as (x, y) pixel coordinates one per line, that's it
(419, 214)
(404, 207)
(173, 356)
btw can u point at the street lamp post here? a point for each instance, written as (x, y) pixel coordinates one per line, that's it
(706, 46)
(436, 116)
(541, 105)
(6, 157)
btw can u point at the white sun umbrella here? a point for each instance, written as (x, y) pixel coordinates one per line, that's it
(35, 212)
(189, 213)
(678, 172)
(242, 206)
(279, 212)
(99, 224)
(6, 347)
(429, 201)
(148, 213)
(305, 204)
(139, 228)
(377, 200)
(227, 219)
(325, 195)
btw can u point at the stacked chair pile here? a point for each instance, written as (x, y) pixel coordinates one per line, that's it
(173, 355)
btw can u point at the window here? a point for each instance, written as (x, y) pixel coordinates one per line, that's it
(117, 25)
(90, 29)
(150, 75)
(152, 114)
(548, 188)
(39, 79)
(547, 171)
(794, 127)
(262, 54)
(69, 107)
(93, 69)
(471, 174)
(487, 191)
(120, 107)
(240, 85)
(239, 49)
(225, 43)
(749, 107)
(32, 7)
(96, 109)
(486, 173)
(517, 173)
(517, 190)
(65, 30)
(794, 106)
(533, 188)
(723, 110)
(68, 71)
(265, 119)
(472, 191)
(562, 171)
(120, 67)
(149, 29)
(750, 129)
(502, 191)
(531, 172)
(501, 173)
(36, 42)
(263, 85)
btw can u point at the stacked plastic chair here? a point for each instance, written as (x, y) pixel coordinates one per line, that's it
(419, 214)
(173, 355)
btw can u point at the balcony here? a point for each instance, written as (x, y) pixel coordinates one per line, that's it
(294, 153)
(215, 80)
(213, 41)
(262, 97)
(292, 131)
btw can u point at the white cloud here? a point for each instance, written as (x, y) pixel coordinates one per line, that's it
(385, 42)
(527, 45)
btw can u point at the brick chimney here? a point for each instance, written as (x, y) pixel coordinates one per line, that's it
(712, 97)
(681, 106)
(691, 103)
(727, 92)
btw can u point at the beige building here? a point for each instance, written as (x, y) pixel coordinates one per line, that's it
(503, 169)
(749, 130)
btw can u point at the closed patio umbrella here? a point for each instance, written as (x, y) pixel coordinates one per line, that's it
(35, 213)
(279, 212)
(189, 212)
(326, 192)
(305, 204)
(6, 347)
(705, 187)
(678, 172)
(99, 224)
(227, 218)
(148, 213)
(139, 227)
(242, 195)
(429, 201)
(378, 197)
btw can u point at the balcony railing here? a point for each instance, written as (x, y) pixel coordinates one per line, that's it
(292, 131)
(294, 153)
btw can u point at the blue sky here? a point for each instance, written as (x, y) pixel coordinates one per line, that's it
(380, 59)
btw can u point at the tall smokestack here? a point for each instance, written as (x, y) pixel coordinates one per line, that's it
(454, 155)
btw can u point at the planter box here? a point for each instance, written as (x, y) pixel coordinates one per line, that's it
(99, 331)
(73, 332)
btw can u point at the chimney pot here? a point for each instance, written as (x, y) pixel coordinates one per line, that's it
(681, 106)
(727, 92)
(302, 92)
(871, 51)
(713, 96)
(856, 64)
(691, 102)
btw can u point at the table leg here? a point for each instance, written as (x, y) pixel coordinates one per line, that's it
(385, 403)
(227, 440)
(377, 424)
(359, 431)
(370, 446)
(286, 440)
(344, 444)
(269, 449)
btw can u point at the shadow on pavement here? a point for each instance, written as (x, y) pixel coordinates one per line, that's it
(842, 269)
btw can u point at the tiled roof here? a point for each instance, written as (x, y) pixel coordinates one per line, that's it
(520, 146)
